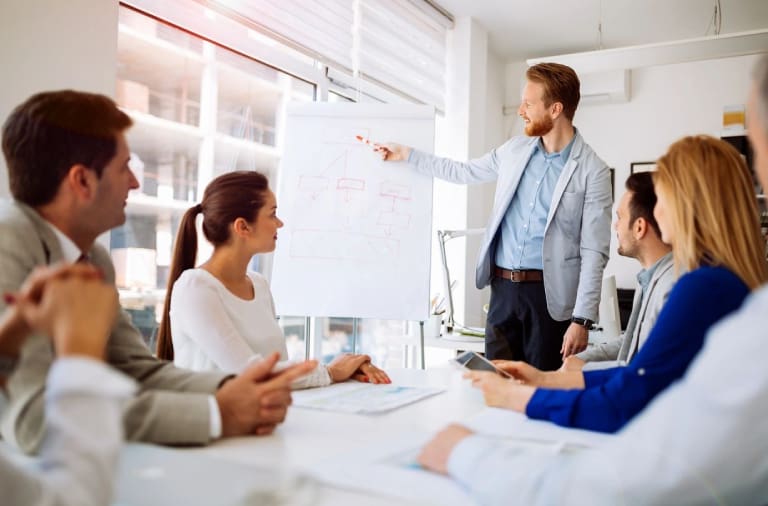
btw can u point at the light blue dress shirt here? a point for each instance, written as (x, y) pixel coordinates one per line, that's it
(522, 229)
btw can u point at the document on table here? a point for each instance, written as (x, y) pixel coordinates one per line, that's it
(389, 468)
(362, 398)
(506, 424)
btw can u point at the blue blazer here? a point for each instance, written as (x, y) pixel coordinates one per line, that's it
(611, 397)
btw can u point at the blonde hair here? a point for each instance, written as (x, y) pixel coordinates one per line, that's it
(712, 207)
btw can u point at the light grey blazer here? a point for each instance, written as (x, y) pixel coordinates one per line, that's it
(645, 311)
(578, 232)
(172, 405)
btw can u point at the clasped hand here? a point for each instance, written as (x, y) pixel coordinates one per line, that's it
(70, 303)
(357, 367)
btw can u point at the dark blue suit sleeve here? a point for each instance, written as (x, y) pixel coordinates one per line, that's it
(613, 396)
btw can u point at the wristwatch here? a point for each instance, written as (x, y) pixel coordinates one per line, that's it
(584, 322)
(7, 365)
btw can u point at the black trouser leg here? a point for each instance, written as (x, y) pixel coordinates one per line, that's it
(519, 326)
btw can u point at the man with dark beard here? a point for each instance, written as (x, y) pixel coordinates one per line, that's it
(548, 237)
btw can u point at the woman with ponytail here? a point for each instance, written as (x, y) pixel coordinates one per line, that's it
(219, 315)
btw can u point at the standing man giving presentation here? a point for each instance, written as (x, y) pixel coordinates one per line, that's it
(548, 237)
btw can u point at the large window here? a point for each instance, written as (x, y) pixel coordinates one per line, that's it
(201, 109)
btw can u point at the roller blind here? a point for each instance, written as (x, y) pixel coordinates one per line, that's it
(400, 44)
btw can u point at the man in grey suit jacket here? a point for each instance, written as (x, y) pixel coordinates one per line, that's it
(639, 237)
(68, 170)
(547, 241)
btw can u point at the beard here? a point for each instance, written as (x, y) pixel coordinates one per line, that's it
(539, 128)
(628, 250)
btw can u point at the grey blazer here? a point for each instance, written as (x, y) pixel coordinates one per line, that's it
(645, 312)
(578, 232)
(172, 405)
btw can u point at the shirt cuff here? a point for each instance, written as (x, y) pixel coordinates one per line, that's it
(215, 425)
(466, 457)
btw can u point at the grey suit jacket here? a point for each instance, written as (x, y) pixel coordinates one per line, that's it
(578, 232)
(172, 405)
(645, 312)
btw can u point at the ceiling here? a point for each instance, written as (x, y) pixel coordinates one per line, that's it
(521, 29)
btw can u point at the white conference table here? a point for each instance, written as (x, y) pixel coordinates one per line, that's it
(226, 471)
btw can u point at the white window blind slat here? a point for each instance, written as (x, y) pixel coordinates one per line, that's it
(402, 48)
(327, 34)
(398, 43)
(388, 43)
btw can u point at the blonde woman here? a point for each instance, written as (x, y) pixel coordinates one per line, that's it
(707, 211)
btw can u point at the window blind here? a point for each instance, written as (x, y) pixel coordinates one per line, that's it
(400, 44)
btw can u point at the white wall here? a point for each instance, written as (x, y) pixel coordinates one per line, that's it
(667, 102)
(471, 126)
(54, 44)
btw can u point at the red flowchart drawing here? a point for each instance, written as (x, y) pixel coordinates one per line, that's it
(342, 245)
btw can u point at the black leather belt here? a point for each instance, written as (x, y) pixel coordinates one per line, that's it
(520, 275)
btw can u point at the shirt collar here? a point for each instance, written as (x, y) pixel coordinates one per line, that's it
(69, 250)
(563, 154)
(644, 276)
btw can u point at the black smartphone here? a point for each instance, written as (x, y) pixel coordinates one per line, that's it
(476, 362)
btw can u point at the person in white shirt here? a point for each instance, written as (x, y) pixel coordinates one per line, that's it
(84, 397)
(220, 315)
(703, 441)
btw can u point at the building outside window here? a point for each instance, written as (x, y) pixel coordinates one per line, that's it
(200, 110)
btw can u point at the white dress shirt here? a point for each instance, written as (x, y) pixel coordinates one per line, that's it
(214, 329)
(83, 409)
(703, 441)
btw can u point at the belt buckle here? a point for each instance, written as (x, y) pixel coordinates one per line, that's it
(516, 276)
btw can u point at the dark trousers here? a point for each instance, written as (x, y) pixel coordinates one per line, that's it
(519, 326)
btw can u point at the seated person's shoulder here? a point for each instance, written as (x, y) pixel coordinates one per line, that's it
(666, 275)
(13, 218)
(710, 280)
(258, 278)
(197, 278)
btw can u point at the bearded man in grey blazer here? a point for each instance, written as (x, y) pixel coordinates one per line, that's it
(547, 240)
(68, 170)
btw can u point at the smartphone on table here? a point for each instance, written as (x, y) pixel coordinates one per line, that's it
(475, 362)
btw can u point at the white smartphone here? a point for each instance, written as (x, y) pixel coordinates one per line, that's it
(476, 362)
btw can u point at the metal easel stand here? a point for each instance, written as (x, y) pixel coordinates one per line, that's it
(421, 343)
(409, 358)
